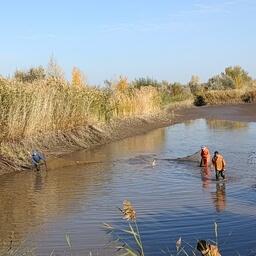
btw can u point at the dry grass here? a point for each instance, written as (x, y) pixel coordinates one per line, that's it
(54, 108)
(52, 105)
(231, 96)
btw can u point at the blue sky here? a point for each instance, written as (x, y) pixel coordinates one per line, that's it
(165, 40)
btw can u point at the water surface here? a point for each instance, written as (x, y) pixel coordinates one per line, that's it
(172, 199)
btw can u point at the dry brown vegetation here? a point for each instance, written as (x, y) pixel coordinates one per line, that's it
(40, 109)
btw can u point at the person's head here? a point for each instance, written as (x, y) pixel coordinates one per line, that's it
(216, 153)
(202, 246)
(203, 147)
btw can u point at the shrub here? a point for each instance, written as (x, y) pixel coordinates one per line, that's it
(220, 82)
(33, 74)
(249, 97)
(199, 100)
(195, 85)
(142, 82)
(238, 75)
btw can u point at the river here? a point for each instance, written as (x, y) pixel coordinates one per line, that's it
(172, 199)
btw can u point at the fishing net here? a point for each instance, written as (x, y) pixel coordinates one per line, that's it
(252, 158)
(196, 157)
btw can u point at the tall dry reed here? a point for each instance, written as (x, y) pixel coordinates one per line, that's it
(52, 105)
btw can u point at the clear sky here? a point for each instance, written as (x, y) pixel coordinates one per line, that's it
(165, 40)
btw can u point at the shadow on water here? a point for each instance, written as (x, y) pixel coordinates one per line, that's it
(172, 198)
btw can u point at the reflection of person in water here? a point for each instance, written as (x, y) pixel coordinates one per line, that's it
(219, 197)
(39, 181)
(206, 176)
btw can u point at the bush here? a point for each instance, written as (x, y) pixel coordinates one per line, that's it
(33, 74)
(238, 75)
(199, 100)
(142, 82)
(249, 97)
(220, 82)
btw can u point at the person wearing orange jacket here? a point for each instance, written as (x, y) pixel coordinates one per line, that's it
(219, 165)
(205, 156)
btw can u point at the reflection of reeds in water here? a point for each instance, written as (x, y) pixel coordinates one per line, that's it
(224, 124)
(188, 123)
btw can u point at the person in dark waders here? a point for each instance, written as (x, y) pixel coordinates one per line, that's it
(219, 165)
(37, 159)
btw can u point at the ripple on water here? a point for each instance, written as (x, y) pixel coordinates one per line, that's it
(172, 199)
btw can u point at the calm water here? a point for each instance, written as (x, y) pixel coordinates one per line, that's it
(172, 199)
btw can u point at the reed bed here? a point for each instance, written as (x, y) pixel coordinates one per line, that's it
(53, 105)
(231, 96)
(31, 112)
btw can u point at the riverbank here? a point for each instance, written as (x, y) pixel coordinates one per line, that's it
(232, 112)
(54, 145)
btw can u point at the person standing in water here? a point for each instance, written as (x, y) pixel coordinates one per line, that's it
(205, 156)
(219, 165)
(37, 158)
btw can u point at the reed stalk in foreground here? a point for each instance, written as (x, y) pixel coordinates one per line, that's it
(135, 246)
(129, 214)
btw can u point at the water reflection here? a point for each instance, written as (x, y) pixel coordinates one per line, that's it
(28, 200)
(206, 177)
(39, 181)
(224, 124)
(189, 122)
(42, 207)
(219, 197)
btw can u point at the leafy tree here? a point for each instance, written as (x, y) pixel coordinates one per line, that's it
(238, 75)
(78, 78)
(195, 85)
(37, 73)
(220, 82)
(141, 82)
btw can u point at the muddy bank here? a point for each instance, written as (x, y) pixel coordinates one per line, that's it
(87, 137)
(232, 112)
(54, 145)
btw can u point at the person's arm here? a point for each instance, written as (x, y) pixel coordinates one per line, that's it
(223, 164)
